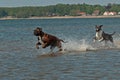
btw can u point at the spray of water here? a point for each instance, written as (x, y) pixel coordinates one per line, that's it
(86, 45)
(77, 45)
(117, 42)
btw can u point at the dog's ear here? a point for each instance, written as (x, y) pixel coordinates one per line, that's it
(40, 29)
(101, 25)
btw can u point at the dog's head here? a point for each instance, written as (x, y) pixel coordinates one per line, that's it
(38, 31)
(98, 28)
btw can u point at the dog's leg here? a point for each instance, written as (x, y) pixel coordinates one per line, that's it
(59, 45)
(37, 45)
(94, 39)
(111, 40)
(44, 45)
(60, 48)
(39, 42)
(52, 48)
(106, 44)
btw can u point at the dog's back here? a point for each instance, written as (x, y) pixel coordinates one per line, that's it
(107, 36)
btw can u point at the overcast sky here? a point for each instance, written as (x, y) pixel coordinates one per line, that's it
(19, 3)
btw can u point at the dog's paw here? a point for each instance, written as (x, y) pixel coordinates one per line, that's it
(37, 47)
(38, 43)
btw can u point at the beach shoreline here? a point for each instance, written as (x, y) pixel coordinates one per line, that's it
(60, 17)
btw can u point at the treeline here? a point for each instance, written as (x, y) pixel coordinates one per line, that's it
(56, 10)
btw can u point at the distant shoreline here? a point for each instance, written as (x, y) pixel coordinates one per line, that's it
(61, 17)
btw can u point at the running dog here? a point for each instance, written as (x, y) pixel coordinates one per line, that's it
(46, 40)
(102, 36)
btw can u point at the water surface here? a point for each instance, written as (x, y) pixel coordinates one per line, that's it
(19, 58)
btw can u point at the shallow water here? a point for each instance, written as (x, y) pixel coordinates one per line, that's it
(19, 59)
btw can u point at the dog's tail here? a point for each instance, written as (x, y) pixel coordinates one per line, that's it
(113, 33)
(63, 41)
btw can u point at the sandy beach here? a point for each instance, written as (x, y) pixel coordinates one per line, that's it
(60, 17)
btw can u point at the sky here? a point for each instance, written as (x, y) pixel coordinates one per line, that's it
(20, 3)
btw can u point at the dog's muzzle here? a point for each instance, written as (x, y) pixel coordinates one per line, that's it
(36, 33)
(97, 30)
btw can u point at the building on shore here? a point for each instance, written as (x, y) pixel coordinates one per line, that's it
(96, 13)
(107, 13)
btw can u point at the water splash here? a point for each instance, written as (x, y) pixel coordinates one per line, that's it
(77, 45)
(117, 42)
(86, 45)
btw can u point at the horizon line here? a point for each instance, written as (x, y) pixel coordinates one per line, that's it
(51, 5)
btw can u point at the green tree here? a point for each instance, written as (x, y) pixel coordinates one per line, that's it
(59, 9)
(3, 13)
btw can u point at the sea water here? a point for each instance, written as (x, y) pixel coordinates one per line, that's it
(19, 58)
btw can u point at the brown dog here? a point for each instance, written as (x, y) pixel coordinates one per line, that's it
(46, 40)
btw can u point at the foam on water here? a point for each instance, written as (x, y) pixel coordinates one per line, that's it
(77, 45)
(86, 45)
(117, 42)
